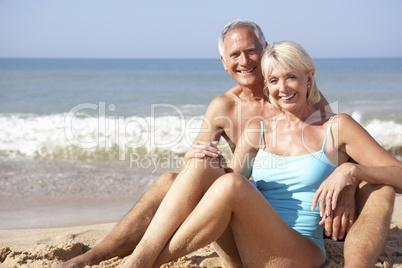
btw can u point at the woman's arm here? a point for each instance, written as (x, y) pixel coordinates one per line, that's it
(376, 166)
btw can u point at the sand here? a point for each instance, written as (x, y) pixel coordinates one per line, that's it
(47, 247)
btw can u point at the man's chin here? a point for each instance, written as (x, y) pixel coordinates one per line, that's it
(249, 82)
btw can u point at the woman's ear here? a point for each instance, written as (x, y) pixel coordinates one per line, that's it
(310, 77)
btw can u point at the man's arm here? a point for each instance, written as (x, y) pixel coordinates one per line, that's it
(212, 128)
(242, 159)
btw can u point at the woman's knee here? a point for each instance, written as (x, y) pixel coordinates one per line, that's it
(230, 183)
(202, 172)
(205, 164)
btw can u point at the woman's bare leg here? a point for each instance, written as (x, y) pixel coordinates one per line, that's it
(226, 248)
(184, 194)
(262, 237)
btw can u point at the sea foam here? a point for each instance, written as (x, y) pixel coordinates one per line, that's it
(86, 138)
(82, 137)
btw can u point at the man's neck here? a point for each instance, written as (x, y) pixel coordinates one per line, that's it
(253, 92)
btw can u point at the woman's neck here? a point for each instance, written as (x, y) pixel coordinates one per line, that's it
(303, 114)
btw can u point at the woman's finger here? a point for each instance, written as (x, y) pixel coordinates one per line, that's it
(322, 203)
(335, 199)
(316, 199)
(328, 204)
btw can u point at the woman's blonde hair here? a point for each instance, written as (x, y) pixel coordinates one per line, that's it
(290, 55)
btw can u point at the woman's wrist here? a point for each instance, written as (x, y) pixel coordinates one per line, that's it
(351, 171)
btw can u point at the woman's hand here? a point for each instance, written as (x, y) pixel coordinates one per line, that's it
(329, 190)
(201, 149)
(342, 218)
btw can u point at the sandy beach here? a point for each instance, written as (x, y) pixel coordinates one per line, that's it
(47, 247)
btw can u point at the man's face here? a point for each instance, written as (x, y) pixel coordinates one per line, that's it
(242, 56)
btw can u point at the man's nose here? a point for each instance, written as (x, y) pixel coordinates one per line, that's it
(244, 60)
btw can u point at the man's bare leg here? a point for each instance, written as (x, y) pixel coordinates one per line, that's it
(123, 239)
(366, 239)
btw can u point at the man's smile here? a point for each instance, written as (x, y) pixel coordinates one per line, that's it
(247, 71)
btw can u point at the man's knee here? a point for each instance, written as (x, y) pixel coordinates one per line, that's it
(166, 179)
(380, 196)
(385, 193)
(377, 192)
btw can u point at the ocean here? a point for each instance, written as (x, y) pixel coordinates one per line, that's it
(82, 139)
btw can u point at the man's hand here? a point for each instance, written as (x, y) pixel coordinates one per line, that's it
(342, 218)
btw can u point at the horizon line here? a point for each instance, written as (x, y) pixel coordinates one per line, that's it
(107, 58)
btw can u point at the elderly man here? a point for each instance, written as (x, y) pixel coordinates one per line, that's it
(241, 46)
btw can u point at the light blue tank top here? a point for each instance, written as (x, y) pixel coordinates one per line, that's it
(288, 183)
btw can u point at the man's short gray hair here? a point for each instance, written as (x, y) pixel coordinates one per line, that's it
(238, 24)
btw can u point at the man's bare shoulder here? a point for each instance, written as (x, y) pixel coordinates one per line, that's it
(226, 101)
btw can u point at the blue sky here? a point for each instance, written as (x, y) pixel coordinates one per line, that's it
(190, 29)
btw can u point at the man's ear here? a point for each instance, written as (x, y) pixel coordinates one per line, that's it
(224, 64)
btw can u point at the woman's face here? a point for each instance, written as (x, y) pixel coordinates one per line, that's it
(288, 87)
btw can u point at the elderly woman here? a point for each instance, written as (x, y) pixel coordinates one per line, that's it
(297, 159)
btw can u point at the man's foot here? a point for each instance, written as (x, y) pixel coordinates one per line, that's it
(77, 262)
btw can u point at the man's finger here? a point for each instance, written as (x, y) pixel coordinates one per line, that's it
(328, 225)
(351, 221)
(344, 226)
(335, 227)
(322, 221)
